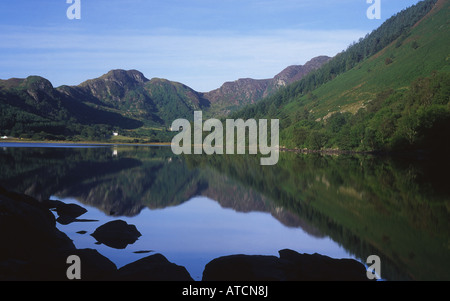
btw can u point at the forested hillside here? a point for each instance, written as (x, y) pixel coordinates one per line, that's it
(389, 91)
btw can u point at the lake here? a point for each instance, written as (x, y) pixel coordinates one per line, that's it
(195, 208)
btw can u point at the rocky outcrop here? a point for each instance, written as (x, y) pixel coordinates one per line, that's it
(28, 236)
(153, 268)
(297, 72)
(114, 84)
(247, 91)
(241, 91)
(290, 266)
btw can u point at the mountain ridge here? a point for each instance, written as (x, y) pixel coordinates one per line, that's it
(249, 91)
(117, 100)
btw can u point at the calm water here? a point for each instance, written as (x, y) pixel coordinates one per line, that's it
(194, 209)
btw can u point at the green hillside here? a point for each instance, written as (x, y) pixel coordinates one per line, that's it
(393, 98)
(141, 110)
(32, 108)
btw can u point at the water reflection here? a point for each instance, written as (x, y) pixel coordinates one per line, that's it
(396, 209)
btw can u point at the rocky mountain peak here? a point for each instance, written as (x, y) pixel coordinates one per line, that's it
(297, 72)
(247, 90)
(125, 76)
(38, 83)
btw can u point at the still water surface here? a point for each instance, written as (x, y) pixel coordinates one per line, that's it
(194, 209)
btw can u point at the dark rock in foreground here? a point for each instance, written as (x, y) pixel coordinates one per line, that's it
(28, 237)
(28, 229)
(116, 234)
(33, 249)
(290, 266)
(153, 268)
(93, 266)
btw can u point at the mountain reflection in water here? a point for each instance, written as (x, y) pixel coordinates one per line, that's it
(193, 209)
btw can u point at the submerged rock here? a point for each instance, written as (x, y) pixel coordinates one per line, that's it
(116, 234)
(70, 210)
(68, 213)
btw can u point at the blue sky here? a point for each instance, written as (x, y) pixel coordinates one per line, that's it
(201, 43)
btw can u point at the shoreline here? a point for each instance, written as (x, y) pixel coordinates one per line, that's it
(282, 149)
(83, 142)
(330, 152)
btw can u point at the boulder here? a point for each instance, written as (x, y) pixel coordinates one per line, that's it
(244, 268)
(153, 268)
(33, 249)
(316, 267)
(290, 266)
(94, 266)
(116, 234)
(54, 266)
(27, 229)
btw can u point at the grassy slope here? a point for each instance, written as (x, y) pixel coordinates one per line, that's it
(352, 90)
